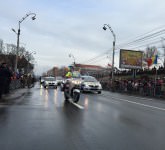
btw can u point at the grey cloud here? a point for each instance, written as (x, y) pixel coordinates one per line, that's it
(64, 27)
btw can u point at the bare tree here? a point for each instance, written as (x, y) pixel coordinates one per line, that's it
(11, 49)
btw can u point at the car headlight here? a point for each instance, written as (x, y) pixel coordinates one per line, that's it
(99, 85)
(46, 82)
(85, 85)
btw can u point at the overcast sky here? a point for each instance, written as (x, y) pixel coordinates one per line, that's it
(75, 26)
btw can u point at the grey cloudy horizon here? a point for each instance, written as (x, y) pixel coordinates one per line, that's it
(63, 27)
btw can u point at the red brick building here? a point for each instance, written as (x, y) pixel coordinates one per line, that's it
(89, 69)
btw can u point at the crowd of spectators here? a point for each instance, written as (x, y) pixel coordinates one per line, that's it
(145, 83)
(160, 70)
(11, 80)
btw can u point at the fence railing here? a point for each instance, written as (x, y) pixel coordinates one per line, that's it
(15, 84)
(152, 91)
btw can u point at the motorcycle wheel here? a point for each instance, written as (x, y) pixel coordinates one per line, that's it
(76, 97)
(66, 96)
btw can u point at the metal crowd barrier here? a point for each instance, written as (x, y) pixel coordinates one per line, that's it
(153, 91)
(15, 84)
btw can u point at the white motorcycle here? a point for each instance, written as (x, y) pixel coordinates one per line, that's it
(71, 91)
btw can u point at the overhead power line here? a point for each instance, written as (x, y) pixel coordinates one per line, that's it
(142, 35)
(148, 38)
(144, 39)
(97, 57)
(98, 60)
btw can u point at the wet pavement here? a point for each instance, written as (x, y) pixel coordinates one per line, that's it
(40, 119)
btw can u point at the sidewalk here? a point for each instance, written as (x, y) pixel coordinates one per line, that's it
(13, 95)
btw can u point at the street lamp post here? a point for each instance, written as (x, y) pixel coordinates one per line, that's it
(113, 54)
(18, 35)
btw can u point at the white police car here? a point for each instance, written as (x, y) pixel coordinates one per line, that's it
(90, 84)
(50, 82)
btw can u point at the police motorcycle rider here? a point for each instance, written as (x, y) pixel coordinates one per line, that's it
(70, 89)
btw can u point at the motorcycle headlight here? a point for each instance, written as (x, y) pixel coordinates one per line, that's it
(76, 82)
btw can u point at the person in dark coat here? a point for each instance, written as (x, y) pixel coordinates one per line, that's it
(2, 81)
(7, 74)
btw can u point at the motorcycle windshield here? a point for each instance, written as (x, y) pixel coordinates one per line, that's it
(76, 74)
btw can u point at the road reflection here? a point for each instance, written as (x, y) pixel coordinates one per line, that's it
(86, 101)
(41, 90)
(58, 99)
(51, 97)
(46, 98)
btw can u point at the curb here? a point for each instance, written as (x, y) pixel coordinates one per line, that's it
(15, 94)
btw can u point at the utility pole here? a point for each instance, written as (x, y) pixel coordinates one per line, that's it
(113, 52)
(18, 35)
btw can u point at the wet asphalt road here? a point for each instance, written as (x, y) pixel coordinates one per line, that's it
(42, 120)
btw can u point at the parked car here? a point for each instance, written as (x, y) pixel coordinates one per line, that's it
(50, 82)
(90, 84)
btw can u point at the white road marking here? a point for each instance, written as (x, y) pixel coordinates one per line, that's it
(154, 107)
(77, 105)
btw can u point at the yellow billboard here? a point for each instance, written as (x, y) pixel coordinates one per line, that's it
(130, 59)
